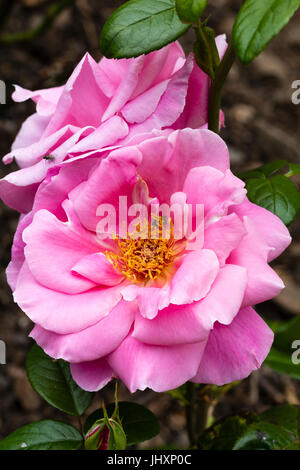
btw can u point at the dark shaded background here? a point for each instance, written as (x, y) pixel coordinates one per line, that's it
(262, 124)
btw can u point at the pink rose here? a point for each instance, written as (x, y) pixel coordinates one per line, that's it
(153, 314)
(103, 104)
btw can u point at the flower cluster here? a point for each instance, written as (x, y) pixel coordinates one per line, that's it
(151, 312)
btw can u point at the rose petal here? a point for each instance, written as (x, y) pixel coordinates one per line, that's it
(80, 105)
(171, 157)
(59, 312)
(52, 248)
(17, 252)
(92, 376)
(216, 190)
(224, 235)
(160, 368)
(99, 189)
(252, 253)
(98, 269)
(218, 305)
(172, 325)
(149, 299)
(46, 99)
(193, 279)
(270, 227)
(92, 342)
(234, 351)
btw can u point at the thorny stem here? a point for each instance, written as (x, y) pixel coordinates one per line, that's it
(216, 89)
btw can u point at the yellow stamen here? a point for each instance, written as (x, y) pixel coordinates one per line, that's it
(144, 259)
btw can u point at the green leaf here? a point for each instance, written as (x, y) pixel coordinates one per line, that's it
(139, 27)
(294, 169)
(43, 435)
(139, 423)
(263, 171)
(280, 358)
(286, 416)
(264, 436)
(224, 434)
(53, 381)
(189, 11)
(285, 333)
(257, 23)
(276, 193)
(281, 362)
(277, 428)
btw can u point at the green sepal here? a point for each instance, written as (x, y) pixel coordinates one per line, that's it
(105, 434)
(205, 50)
(189, 11)
(93, 436)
